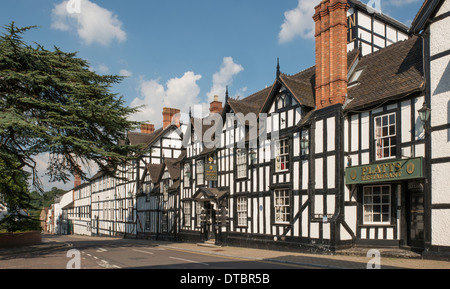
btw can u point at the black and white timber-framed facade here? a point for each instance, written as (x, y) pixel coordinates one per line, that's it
(323, 173)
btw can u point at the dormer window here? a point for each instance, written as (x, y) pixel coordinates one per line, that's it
(284, 100)
(355, 77)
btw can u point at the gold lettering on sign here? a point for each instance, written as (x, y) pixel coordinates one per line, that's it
(383, 171)
(351, 25)
(410, 168)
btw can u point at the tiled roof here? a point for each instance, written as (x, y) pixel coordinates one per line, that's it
(155, 172)
(137, 138)
(393, 72)
(301, 85)
(173, 166)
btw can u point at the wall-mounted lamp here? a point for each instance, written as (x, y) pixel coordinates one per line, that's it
(187, 169)
(304, 144)
(253, 155)
(424, 114)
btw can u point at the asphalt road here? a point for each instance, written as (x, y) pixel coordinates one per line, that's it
(131, 254)
(97, 253)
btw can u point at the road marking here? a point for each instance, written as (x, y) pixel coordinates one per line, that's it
(100, 250)
(190, 261)
(150, 253)
(260, 260)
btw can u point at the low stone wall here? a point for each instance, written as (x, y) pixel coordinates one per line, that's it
(10, 240)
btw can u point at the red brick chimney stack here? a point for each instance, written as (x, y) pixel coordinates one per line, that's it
(331, 52)
(216, 105)
(147, 128)
(171, 115)
(77, 181)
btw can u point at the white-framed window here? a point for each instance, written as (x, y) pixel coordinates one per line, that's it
(165, 189)
(377, 204)
(284, 100)
(130, 210)
(282, 155)
(187, 175)
(242, 211)
(122, 209)
(282, 201)
(198, 213)
(385, 136)
(187, 214)
(355, 76)
(241, 163)
(147, 220)
(200, 172)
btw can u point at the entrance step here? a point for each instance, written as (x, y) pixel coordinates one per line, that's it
(209, 243)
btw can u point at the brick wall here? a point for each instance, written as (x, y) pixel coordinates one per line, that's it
(10, 240)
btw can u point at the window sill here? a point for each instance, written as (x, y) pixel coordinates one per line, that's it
(377, 225)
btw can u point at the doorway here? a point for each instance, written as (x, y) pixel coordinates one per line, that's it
(209, 222)
(415, 219)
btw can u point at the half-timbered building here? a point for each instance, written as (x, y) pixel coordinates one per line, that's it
(431, 24)
(79, 214)
(339, 154)
(369, 28)
(157, 179)
(342, 161)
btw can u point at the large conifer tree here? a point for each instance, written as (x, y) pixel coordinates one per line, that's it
(50, 102)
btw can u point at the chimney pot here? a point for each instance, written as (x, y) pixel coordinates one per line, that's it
(147, 128)
(216, 105)
(77, 182)
(171, 115)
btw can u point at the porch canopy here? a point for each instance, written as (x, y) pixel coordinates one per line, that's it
(204, 194)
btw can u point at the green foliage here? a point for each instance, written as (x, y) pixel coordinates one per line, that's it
(18, 201)
(50, 102)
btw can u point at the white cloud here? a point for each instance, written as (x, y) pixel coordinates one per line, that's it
(179, 93)
(125, 73)
(224, 77)
(102, 68)
(298, 22)
(182, 93)
(93, 23)
(399, 3)
(42, 162)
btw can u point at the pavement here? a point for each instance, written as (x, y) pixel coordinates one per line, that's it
(346, 259)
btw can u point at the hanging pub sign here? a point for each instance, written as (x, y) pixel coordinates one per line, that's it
(211, 172)
(385, 172)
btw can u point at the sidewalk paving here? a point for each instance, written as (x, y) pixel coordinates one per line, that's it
(346, 259)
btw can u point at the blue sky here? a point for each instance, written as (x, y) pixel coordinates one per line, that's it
(179, 53)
